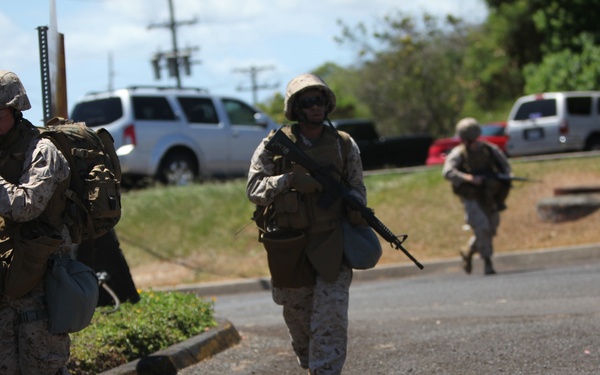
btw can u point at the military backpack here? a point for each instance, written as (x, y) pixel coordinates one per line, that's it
(93, 197)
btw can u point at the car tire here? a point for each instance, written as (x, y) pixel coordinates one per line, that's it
(178, 169)
(593, 143)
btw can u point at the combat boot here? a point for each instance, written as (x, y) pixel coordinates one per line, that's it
(467, 261)
(489, 268)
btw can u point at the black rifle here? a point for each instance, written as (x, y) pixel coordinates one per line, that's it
(505, 177)
(281, 145)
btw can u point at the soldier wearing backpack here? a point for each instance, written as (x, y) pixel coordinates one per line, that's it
(33, 176)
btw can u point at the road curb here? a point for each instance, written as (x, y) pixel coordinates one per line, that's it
(179, 356)
(503, 261)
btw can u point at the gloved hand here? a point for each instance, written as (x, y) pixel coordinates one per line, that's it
(302, 181)
(355, 217)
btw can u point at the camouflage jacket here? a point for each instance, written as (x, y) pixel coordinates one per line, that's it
(25, 195)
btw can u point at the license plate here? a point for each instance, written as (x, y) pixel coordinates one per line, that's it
(533, 134)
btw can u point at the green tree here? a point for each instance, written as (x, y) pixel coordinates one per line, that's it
(345, 83)
(411, 72)
(566, 70)
(535, 34)
(563, 22)
(498, 50)
(273, 107)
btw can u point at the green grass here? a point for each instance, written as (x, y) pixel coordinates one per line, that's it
(157, 321)
(204, 232)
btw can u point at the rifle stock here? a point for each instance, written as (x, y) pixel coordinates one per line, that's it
(281, 145)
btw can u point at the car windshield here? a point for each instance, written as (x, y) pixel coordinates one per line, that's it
(98, 112)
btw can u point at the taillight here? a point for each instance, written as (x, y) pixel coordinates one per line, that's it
(129, 135)
(563, 129)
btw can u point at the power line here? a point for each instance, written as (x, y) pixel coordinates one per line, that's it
(175, 58)
(253, 72)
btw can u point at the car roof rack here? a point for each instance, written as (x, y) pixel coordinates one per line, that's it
(138, 87)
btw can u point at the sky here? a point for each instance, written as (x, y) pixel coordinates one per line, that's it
(109, 44)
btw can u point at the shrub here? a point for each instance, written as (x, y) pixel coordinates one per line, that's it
(158, 320)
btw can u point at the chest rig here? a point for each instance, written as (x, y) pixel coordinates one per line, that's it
(305, 212)
(479, 161)
(492, 192)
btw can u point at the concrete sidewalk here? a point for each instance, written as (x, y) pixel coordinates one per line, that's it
(203, 346)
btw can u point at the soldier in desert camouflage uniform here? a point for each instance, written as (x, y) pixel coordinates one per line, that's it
(468, 167)
(32, 172)
(315, 309)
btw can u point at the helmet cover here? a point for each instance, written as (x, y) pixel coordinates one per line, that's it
(12, 92)
(301, 83)
(468, 129)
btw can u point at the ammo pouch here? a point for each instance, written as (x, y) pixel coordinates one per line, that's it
(291, 211)
(287, 260)
(28, 263)
(107, 205)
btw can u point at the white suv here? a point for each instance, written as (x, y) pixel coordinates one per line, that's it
(554, 122)
(176, 135)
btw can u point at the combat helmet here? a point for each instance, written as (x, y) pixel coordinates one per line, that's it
(12, 92)
(468, 129)
(301, 83)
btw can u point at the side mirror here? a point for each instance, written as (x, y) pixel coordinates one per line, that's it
(261, 119)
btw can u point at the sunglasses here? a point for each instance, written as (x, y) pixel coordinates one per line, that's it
(309, 102)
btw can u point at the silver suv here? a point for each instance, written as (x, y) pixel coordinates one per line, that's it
(554, 122)
(176, 136)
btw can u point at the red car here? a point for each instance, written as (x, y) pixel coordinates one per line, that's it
(493, 132)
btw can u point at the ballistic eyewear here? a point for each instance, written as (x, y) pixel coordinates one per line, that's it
(309, 102)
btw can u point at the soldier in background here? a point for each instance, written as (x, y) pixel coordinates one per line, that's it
(471, 168)
(33, 178)
(314, 291)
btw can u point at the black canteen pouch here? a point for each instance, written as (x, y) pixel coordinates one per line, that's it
(286, 256)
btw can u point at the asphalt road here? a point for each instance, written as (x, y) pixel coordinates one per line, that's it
(530, 321)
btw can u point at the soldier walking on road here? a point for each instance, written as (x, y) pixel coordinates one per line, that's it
(33, 178)
(472, 168)
(309, 275)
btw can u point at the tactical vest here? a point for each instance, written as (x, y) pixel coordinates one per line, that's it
(302, 211)
(479, 162)
(12, 156)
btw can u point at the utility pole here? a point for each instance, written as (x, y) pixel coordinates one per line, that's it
(253, 72)
(176, 57)
(111, 72)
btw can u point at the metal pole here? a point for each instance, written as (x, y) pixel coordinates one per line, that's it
(45, 73)
(173, 27)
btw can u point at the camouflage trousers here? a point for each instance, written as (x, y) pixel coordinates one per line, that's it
(29, 348)
(317, 320)
(484, 227)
